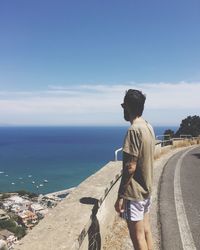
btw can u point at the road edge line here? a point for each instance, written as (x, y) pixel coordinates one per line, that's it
(184, 228)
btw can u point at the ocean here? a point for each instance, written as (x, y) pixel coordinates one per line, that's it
(49, 159)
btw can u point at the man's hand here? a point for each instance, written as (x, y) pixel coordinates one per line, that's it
(119, 205)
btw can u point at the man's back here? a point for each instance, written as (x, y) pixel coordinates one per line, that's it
(140, 142)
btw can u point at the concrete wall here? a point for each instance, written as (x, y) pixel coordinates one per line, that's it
(83, 219)
(157, 150)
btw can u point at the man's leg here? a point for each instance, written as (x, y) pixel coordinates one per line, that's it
(147, 231)
(137, 234)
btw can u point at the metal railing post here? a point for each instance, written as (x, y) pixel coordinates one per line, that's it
(116, 152)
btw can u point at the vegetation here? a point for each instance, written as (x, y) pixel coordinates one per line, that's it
(4, 196)
(11, 225)
(29, 194)
(20, 193)
(13, 216)
(189, 126)
(168, 134)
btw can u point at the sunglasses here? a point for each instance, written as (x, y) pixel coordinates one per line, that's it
(123, 105)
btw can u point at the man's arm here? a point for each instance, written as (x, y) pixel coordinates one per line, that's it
(127, 174)
(131, 167)
(131, 164)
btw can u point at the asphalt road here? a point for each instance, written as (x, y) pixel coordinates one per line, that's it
(179, 200)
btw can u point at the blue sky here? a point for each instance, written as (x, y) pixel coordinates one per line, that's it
(70, 62)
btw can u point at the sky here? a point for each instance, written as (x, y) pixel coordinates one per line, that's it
(68, 62)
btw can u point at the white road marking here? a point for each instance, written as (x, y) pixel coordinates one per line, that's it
(184, 228)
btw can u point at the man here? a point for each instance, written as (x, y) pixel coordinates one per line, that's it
(134, 196)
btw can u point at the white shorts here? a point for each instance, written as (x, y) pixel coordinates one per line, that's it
(135, 210)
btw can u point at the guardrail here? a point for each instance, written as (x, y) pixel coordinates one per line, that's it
(185, 136)
(164, 142)
(116, 152)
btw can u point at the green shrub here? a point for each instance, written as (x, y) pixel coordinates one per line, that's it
(11, 225)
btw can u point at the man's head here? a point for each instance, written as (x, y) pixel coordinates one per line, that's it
(133, 104)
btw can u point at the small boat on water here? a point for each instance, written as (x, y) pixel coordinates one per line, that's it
(29, 175)
(13, 183)
(1, 172)
(41, 185)
(20, 178)
(6, 175)
(33, 182)
(45, 181)
(37, 186)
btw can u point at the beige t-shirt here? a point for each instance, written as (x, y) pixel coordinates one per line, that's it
(139, 142)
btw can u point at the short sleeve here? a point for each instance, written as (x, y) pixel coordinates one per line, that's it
(132, 143)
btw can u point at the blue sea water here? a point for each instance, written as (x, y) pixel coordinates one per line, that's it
(64, 156)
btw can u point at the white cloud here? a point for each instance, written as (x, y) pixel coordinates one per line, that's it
(98, 104)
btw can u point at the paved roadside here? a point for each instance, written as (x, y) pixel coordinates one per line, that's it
(180, 201)
(118, 238)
